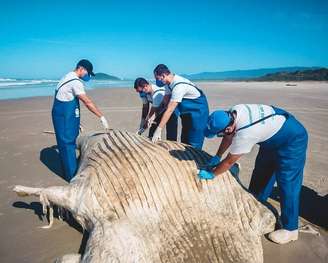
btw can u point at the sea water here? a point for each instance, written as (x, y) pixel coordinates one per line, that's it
(24, 88)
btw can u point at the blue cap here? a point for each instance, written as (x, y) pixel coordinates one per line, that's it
(216, 123)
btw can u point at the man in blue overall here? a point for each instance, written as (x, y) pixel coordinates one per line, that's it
(185, 99)
(281, 157)
(153, 95)
(66, 114)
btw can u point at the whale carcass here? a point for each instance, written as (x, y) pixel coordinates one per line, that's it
(143, 202)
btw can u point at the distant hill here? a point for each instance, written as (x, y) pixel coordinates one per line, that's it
(104, 76)
(242, 74)
(299, 75)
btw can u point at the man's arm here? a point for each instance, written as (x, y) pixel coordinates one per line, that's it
(225, 144)
(226, 164)
(167, 115)
(145, 110)
(90, 105)
(165, 102)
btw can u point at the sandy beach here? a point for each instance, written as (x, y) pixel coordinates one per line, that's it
(28, 157)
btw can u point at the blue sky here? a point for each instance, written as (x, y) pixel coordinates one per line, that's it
(44, 39)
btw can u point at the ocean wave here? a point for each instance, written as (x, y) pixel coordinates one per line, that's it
(6, 79)
(25, 82)
(24, 88)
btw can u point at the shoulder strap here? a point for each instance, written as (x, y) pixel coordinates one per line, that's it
(158, 91)
(256, 122)
(187, 83)
(67, 82)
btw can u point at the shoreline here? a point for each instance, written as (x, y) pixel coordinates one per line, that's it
(201, 82)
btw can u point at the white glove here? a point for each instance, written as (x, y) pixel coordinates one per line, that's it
(104, 122)
(157, 135)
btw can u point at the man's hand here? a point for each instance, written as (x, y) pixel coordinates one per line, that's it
(226, 164)
(203, 174)
(104, 122)
(157, 135)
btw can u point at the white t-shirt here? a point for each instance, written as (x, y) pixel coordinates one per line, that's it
(244, 140)
(73, 88)
(182, 91)
(154, 98)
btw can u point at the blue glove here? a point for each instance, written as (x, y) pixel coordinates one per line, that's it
(234, 170)
(203, 174)
(214, 161)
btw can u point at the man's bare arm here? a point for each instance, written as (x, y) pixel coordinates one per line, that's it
(225, 144)
(226, 164)
(145, 110)
(90, 105)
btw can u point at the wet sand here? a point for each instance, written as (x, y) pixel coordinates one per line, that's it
(27, 157)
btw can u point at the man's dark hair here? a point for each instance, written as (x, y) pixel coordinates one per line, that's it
(161, 69)
(140, 82)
